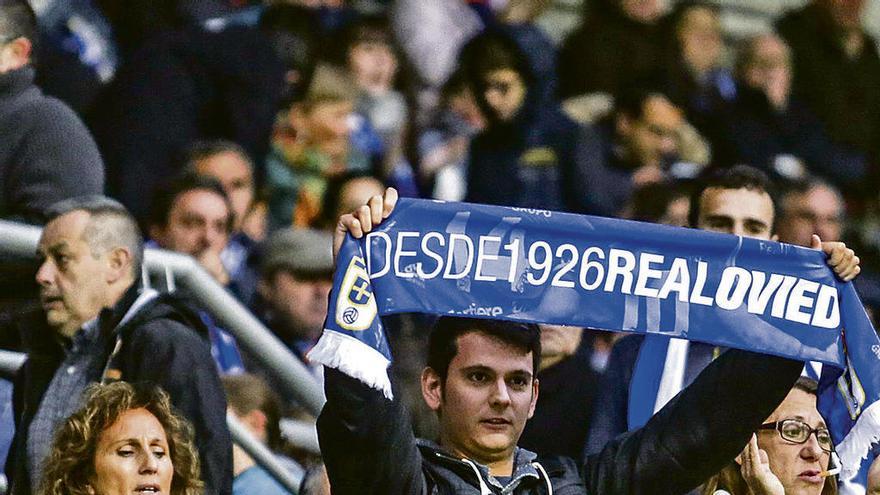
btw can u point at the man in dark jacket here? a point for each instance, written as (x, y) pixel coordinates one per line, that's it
(636, 145)
(836, 69)
(97, 325)
(46, 153)
(480, 379)
(766, 126)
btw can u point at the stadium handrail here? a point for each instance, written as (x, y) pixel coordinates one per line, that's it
(21, 240)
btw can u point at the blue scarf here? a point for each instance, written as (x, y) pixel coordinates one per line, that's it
(547, 267)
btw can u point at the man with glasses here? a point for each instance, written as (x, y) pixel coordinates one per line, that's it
(639, 143)
(46, 153)
(810, 207)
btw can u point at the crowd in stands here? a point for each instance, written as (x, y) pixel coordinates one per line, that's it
(239, 132)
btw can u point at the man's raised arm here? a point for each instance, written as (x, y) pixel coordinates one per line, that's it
(698, 432)
(366, 440)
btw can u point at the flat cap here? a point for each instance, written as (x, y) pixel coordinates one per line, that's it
(304, 251)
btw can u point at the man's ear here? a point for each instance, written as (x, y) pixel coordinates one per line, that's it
(119, 260)
(264, 288)
(774, 238)
(534, 402)
(432, 388)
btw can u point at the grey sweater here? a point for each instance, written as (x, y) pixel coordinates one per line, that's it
(46, 152)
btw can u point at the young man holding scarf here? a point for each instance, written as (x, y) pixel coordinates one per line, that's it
(480, 381)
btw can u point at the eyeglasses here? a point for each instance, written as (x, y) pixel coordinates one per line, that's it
(502, 87)
(796, 431)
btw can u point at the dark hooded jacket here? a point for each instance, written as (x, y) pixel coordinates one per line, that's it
(368, 445)
(532, 160)
(755, 133)
(46, 153)
(164, 343)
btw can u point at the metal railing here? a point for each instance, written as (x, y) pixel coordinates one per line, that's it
(21, 241)
(289, 476)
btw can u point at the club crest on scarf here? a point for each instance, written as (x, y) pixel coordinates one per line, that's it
(356, 307)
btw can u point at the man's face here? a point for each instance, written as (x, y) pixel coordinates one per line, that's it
(373, 65)
(846, 14)
(505, 92)
(818, 211)
(73, 280)
(644, 11)
(796, 465)
(699, 35)
(328, 126)
(744, 212)
(769, 66)
(654, 135)
(489, 393)
(234, 173)
(197, 223)
(677, 212)
(300, 302)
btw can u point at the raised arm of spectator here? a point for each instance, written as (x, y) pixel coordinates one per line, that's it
(840, 258)
(699, 431)
(366, 440)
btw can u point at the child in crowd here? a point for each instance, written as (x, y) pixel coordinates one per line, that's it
(312, 143)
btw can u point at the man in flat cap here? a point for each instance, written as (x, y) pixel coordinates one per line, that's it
(295, 280)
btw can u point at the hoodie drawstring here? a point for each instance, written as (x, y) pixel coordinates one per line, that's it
(484, 488)
(540, 468)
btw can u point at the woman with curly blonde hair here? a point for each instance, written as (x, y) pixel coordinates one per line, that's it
(125, 439)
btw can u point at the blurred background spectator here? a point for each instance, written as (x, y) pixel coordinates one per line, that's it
(47, 154)
(256, 406)
(592, 58)
(568, 384)
(295, 281)
(836, 69)
(694, 73)
(768, 127)
(529, 154)
(314, 142)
